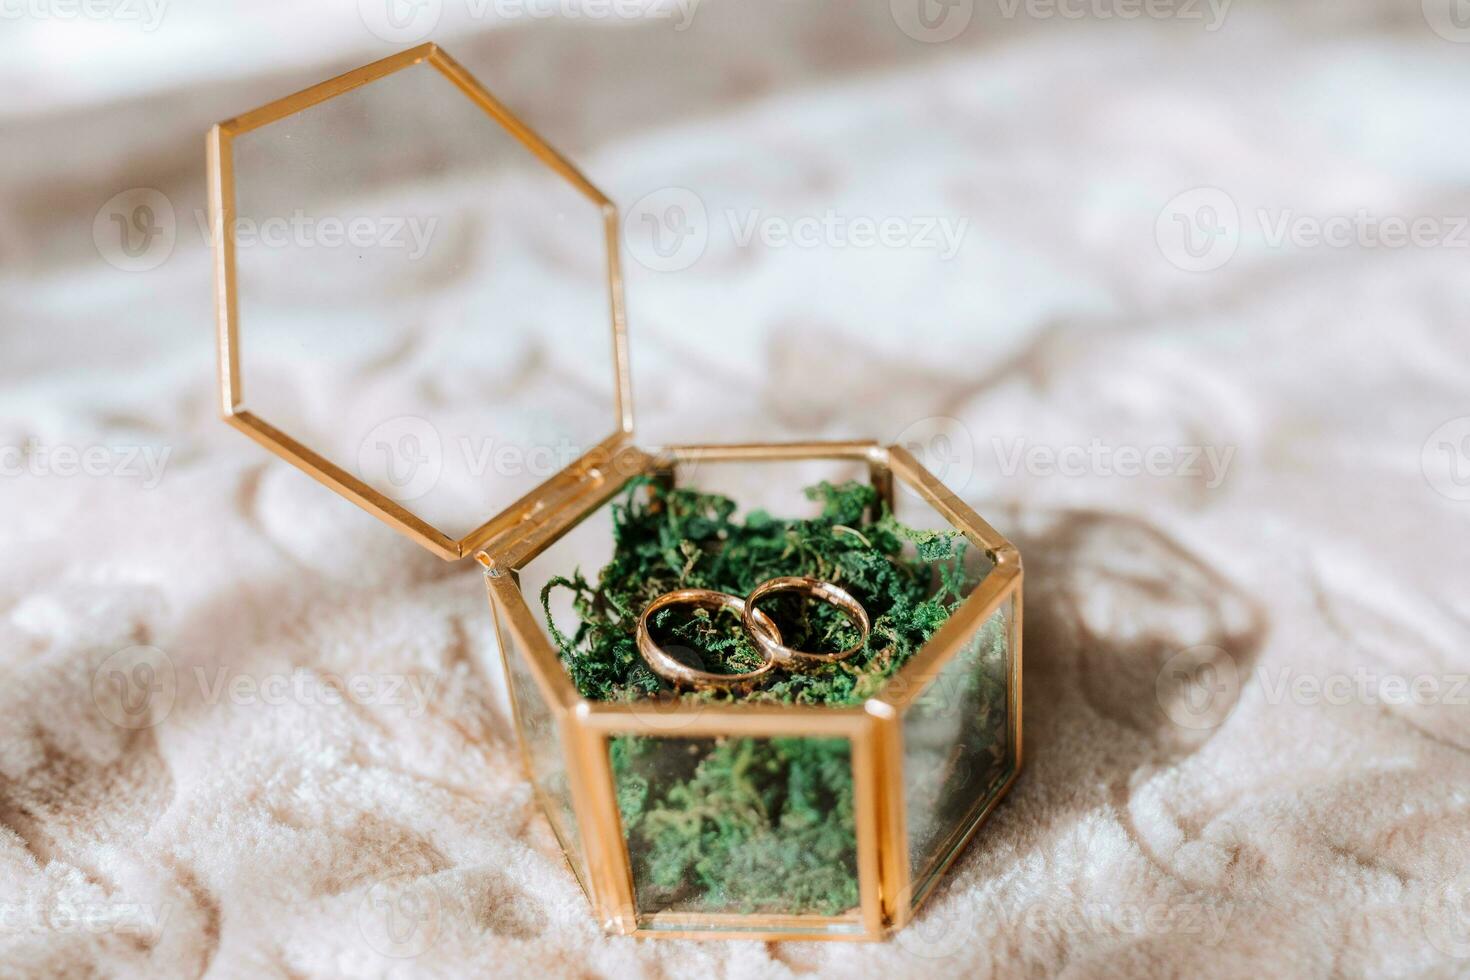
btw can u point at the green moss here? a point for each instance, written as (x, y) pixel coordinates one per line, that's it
(670, 539)
(956, 741)
(748, 824)
(739, 824)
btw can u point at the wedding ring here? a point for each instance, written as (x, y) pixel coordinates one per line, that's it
(758, 626)
(813, 588)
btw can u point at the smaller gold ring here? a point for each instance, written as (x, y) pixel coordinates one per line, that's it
(661, 663)
(814, 588)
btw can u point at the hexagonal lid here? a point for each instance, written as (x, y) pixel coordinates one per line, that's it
(424, 298)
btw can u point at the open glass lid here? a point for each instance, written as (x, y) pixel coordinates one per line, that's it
(419, 301)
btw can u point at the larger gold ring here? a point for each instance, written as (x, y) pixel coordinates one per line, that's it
(814, 588)
(758, 625)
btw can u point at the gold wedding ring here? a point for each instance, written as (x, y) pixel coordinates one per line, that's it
(812, 588)
(757, 624)
(759, 628)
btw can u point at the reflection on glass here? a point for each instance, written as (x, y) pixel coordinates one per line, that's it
(743, 825)
(545, 754)
(421, 300)
(956, 746)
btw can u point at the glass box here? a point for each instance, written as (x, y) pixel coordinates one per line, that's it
(730, 816)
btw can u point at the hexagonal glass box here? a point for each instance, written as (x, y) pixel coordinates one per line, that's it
(899, 779)
(733, 816)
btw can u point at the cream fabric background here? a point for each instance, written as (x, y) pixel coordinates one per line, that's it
(1145, 838)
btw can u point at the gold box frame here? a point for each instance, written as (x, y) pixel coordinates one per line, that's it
(888, 897)
(507, 541)
(219, 153)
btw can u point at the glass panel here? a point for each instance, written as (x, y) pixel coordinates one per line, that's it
(738, 825)
(421, 299)
(726, 825)
(545, 754)
(913, 510)
(956, 745)
(778, 488)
